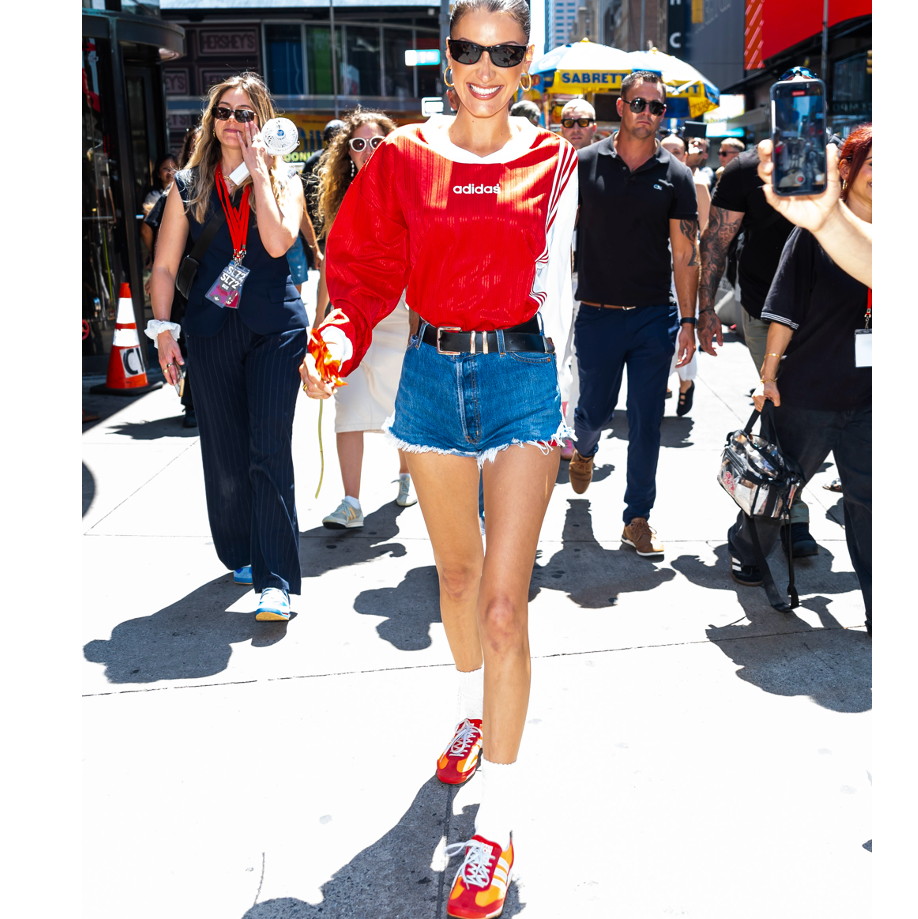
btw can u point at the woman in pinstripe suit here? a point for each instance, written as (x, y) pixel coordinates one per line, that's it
(245, 353)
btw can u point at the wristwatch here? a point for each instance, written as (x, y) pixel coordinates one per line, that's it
(686, 319)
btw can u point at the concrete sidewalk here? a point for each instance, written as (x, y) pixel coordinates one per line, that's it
(689, 751)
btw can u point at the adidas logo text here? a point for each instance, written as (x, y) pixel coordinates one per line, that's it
(476, 189)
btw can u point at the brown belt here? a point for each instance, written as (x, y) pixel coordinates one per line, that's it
(609, 306)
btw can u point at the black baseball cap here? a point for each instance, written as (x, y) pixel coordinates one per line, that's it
(332, 128)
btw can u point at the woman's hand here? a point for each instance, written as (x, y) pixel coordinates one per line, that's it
(807, 211)
(169, 355)
(313, 385)
(254, 152)
(765, 391)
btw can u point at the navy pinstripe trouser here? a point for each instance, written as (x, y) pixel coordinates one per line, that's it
(245, 390)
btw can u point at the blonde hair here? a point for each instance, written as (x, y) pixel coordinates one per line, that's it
(207, 151)
(335, 166)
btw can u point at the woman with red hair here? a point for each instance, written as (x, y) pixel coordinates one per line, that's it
(819, 350)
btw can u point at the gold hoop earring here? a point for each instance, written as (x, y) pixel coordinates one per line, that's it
(528, 85)
(449, 70)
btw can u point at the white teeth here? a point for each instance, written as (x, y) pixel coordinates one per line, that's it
(482, 91)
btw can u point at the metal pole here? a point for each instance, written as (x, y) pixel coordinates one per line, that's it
(331, 13)
(444, 34)
(642, 26)
(825, 42)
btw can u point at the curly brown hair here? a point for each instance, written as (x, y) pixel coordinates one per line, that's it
(335, 165)
(207, 150)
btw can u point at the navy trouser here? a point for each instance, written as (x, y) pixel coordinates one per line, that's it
(607, 341)
(245, 390)
(808, 435)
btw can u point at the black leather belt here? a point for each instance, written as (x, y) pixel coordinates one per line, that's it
(448, 340)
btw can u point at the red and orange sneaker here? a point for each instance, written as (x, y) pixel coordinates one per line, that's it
(459, 760)
(481, 883)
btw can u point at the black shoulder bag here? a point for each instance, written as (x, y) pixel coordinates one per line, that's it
(188, 270)
(763, 482)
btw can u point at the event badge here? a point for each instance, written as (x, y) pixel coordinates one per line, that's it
(227, 290)
(863, 350)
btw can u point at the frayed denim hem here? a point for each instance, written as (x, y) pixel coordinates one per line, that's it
(546, 446)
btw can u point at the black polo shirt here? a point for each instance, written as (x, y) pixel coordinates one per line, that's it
(623, 252)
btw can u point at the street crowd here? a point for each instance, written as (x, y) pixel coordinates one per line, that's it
(484, 286)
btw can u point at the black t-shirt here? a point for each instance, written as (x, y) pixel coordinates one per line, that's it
(824, 305)
(765, 230)
(623, 252)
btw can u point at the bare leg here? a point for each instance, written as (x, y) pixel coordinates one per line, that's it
(402, 463)
(350, 459)
(517, 488)
(447, 490)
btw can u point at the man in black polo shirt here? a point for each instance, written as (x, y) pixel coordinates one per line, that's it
(636, 200)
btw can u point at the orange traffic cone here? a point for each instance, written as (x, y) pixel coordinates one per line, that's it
(126, 375)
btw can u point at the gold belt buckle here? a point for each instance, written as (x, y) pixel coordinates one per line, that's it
(446, 328)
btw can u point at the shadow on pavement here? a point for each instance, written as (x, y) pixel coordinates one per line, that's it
(153, 430)
(589, 574)
(323, 550)
(674, 432)
(192, 638)
(89, 488)
(833, 668)
(393, 875)
(412, 607)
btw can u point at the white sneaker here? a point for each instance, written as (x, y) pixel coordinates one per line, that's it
(406, 496)
(274, 605)
(343, 517)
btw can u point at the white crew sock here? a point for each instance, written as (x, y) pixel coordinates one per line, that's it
(404, 475)
(471, 694)
(354, 502)
(498, 801)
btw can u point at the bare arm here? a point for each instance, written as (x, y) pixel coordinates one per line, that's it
(703, 196)
(278, 222)
(779, 336)
(308, 231)
(683, 237)
(846, 238)
(723, 225)
(170, 246)
(321, 297)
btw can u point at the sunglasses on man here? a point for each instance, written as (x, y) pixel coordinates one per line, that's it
(467, 52)
(797, 72)
(583, 122)
(358, 144)
(243, 116)
(638, 105)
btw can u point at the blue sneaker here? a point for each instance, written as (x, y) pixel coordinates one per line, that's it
(274, 605)
(243, 575)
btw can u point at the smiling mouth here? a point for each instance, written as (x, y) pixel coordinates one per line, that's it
(482, 92)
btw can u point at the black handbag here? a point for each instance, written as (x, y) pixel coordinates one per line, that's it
(763, 482)
(188, 270)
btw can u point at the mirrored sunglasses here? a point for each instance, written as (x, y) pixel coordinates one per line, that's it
(798, 72)
(467, 52)
(358, 144)
(243, 116)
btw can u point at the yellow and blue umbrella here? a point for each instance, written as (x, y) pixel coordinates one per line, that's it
(587, 67)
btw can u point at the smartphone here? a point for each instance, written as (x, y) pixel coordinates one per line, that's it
(179, 383)
(798, 131)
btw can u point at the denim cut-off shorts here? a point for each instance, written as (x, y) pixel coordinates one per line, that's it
(475, 404)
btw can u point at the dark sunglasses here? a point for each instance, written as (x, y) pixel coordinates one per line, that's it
(583, 122)
(798, 72)
(222, 113)
(467, 52)
(358, 144)
(726, 152)
(638, 105)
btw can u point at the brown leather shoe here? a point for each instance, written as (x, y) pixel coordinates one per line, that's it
(580, 472)
(639, 534)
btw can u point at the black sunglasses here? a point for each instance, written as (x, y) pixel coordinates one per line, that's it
(467, 52)
(638, 105)
(243, 116)
(798, 72)
(358, 144)
(583, 122)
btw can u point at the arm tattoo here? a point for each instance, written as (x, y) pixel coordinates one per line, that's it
(723, 225)
(689, 229)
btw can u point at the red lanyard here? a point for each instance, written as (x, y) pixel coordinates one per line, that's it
(236, 220)
(869, 306)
